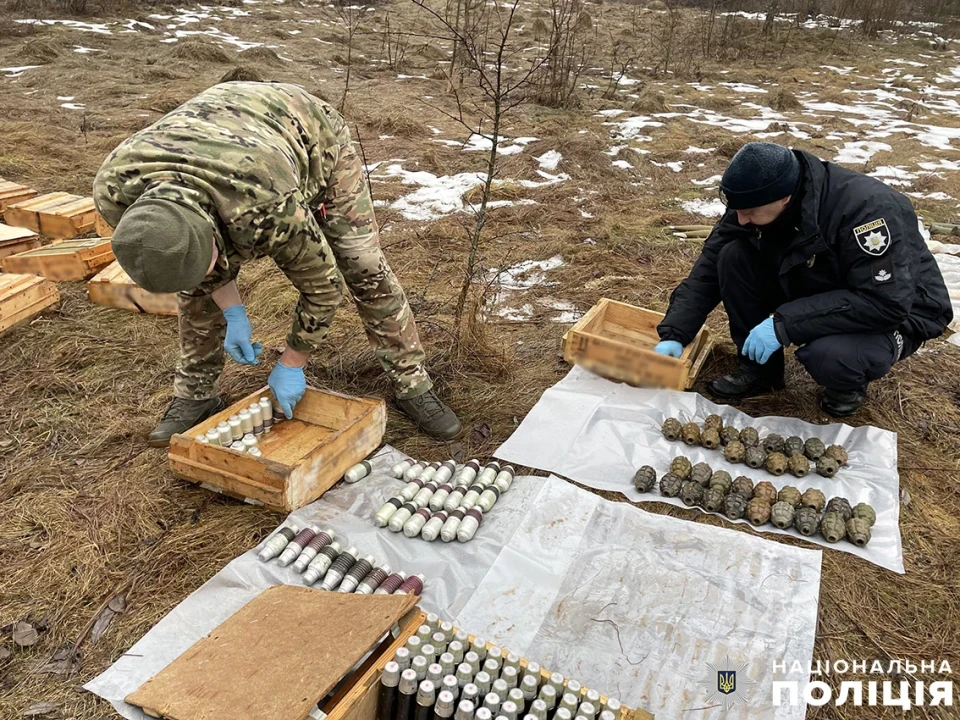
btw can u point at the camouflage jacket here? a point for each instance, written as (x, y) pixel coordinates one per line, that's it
(257, 159)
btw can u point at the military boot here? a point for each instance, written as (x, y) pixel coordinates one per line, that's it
(749, 381)
(431, 415)
(841, 403)
(181, 415)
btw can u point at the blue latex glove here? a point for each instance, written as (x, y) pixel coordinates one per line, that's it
(237, 343)
(288, 385)
(761, 342)
(669, 347)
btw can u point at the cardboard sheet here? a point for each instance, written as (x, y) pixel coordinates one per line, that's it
(636, 605)
(255, 664)
(598, 433)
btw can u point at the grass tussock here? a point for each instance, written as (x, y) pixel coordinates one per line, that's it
(197, 51)
(241, 73)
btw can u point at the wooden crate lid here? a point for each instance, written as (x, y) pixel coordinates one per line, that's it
(276, 657)
(56, 202)
(8, 233)
(112, 273)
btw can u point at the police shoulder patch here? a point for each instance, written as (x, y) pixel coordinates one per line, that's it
(882, 271)
(873, 237)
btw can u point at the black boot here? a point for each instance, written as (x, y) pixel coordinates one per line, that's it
(841, 403)
(749, 381)
(181, 415)
(431, 415)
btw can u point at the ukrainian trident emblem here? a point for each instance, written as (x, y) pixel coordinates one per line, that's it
(727, 681)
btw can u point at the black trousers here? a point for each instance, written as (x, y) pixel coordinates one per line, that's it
(751, 292)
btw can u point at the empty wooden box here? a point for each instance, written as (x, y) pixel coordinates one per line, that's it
(63, 261)
(302, 458)
(56, 215)
(114, 288)
(11, 192)
(22, 297)
(616, 340)
(15, 240)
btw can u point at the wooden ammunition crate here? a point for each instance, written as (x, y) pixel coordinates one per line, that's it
(56, 215)
(11, 192)
(616, 340)
(302, 458)
(22, 297)
(357, 700)
(69, 260)
(114, 288)
(15, 240)
(102, 227)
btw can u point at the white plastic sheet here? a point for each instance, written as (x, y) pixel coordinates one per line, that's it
(632, 603)
(598, 433)
(453, 572)
(635, 605)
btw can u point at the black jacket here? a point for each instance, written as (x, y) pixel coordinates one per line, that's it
(856, 263)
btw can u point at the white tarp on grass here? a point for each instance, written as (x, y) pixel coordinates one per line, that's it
(599, 432)
(550, 566)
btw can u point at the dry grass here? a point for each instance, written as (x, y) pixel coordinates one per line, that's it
(90, 512)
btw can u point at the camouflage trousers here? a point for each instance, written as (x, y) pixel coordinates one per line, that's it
(360, 264)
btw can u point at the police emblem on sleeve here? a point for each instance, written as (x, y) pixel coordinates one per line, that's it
(873, 237)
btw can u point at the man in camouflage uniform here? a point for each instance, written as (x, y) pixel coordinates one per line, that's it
(246, 170)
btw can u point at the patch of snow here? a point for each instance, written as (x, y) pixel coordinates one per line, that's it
(706, 208)
(436, 197)
(630, 128)
(73, 106)
(549, 160)
(858, 153)
(528, 274)
(693, 150)
(65, 98)
(622, 164)
(744, 88)
(610, 113)
(712, 180)
(675, 166)
(100, 28)
(85, 50)
(839, 70)
(15, 72)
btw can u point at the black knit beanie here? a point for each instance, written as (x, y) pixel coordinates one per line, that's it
(759, 174)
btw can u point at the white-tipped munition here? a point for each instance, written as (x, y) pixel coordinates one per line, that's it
(310, 550)
(266, 408)
(612, 706)
(588, 710)
(568, 702)
(413, 526)
(422, 498)
(256, 416)
(203, 438)
(237, 445)
(226, 435)
(538, 708)
(574, 687)
(440, 497)
(413, 472)
(429, 652)
(467, 473)
(448, 533)
(321, 563)
(488, 498)
(549, 696)
(400, 468)
(592, 697)
(516, 696)
(249, 441)
(429, 471)
(528, 686)
(400, 517)
(557, 680)
(410, 490)
(391, 584)
(358, 472)
(357, 572)
(489, 473)
(456, 648)
(387, 511)
(293, 549)
(445, 472)
(509, 710)
(472, 496)
(277, 542)
(255, 451)
(468, 526)
(453, 499)
(339, 568)
(246, 422)
(213, 436)
(607, 715)
(509, 676)
(512, 660)
(235, 432)
(504, 478)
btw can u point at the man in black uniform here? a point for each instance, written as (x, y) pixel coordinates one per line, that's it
(814, 255)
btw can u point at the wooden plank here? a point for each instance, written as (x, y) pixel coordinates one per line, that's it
(114, 288)
(11, 192)
(22, 297)
(15, 240)
(69, 260)
(102, 227)
(300, 458)
(256, 665)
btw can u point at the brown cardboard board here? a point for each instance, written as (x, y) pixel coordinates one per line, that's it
(274, 658)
